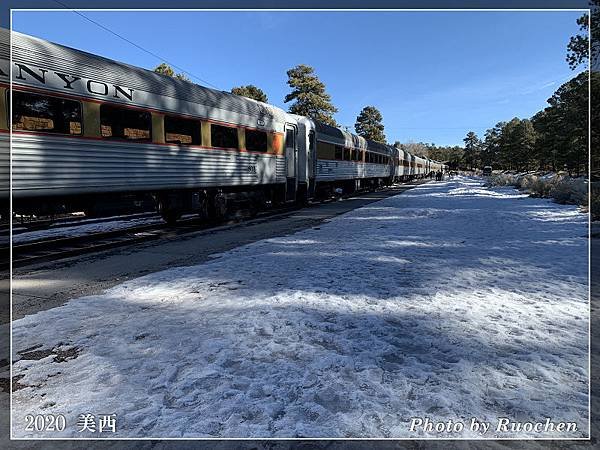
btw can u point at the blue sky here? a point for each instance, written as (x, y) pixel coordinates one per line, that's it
(433, 75)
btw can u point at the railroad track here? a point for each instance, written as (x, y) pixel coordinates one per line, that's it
(64, 222)
(54, 249)
(28, 253)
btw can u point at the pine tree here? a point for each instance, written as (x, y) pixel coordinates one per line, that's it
(182, 77)
(250, 91)
(569, 108)
(579, 45)
(165, 69)
(547, 146)
(368, 124)
(309, 96)
(490, 149)
(472, 148)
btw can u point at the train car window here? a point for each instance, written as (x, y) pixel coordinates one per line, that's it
(290, 138)
(125, 123)
(347, 155)
(357, 155)
(339, 153)
(182, 131)
(325, 150)
(256, 141)
(33, 112)
(224, 137)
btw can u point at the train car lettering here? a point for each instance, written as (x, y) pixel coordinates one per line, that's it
(122, 91)
(22, 67)
(71, 82)
(68, 83)
(99, 83)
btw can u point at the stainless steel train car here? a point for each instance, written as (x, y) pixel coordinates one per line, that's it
(88, 131)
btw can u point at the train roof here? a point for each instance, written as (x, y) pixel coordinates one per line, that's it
(356, 141)
(51, 56)
(56, 57)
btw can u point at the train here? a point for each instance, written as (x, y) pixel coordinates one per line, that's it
(88, 131)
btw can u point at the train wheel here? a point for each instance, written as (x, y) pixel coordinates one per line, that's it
(219, 208)
(204, 210)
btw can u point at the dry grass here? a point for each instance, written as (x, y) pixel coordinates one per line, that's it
(557, 186)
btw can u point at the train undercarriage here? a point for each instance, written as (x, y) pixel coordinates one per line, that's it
(209, 203)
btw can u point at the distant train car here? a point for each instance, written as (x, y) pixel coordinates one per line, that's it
(349, 162)
(419, 167)
(90, 131)
(402, 164)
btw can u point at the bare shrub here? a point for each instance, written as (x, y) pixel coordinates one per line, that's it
(560, 187)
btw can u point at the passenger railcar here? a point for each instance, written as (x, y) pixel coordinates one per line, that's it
(88, 130)
(349, 162)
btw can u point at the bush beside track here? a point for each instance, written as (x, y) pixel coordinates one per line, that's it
(560, 187)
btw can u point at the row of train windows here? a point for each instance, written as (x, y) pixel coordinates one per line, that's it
(33, 112)
(346, 154)
(376, 158)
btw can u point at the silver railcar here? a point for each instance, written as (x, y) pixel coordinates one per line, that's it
(84, 124)
(87, 129)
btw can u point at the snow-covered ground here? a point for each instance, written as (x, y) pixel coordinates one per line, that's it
(450, 301)
(81, 229)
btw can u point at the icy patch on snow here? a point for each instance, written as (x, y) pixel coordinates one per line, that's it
(349, 330)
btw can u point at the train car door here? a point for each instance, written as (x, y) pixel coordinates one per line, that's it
(291, 162)
(312, 164)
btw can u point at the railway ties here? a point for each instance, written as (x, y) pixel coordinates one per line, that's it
(59, 248)
(48, 249)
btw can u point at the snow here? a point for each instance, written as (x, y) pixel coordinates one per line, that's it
(449, 301)
(82, 229)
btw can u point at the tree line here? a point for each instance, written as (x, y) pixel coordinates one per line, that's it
(555, 138)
